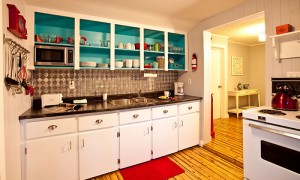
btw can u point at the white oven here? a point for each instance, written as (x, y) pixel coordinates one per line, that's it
(270, 151)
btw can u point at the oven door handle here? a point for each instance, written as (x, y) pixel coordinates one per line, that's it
(275, 131)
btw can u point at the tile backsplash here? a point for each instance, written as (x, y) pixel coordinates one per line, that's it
(93, 82)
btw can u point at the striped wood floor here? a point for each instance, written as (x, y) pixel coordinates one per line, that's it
(228, 142)
(208, 162)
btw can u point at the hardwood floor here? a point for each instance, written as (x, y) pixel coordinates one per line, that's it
(228, 142)
(222, 158)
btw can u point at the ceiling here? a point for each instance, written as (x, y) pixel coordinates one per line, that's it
(183, 14)
(243, 32)
(188, 12)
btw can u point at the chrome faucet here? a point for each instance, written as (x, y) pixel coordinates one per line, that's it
(139, 93)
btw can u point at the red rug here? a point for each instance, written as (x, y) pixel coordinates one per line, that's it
(157, 169)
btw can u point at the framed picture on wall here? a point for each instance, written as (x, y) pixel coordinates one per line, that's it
(236, 66)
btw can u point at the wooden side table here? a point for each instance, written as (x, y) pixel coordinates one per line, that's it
(245, 92)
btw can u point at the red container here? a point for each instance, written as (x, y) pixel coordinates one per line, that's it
(137, 46)
(283, 29)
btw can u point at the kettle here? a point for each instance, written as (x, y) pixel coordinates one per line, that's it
(284, 98)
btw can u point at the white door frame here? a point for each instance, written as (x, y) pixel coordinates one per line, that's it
(224, 79)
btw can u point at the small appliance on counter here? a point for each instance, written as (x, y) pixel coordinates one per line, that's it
(286, 93)
(178, 88)
(51, 99)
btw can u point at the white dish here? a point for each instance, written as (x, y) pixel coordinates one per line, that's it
(102, 65)
(118, 64)
(88, 64)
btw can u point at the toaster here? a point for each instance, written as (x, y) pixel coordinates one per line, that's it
(51, 99)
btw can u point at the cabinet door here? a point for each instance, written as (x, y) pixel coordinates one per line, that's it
(165, 137)
(52, 158)
(98, 152)
(135, 144)
(188, 130)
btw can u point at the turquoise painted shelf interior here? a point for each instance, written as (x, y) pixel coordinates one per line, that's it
(97, 46)
(95, 54)
(152, 36)
(54, 25)
(176, 40)
(176, 51)
(95, 32)
(126, 34)
(126, 54)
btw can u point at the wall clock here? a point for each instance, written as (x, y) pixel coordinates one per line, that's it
(17, 23)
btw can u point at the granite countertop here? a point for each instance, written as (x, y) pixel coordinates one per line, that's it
(95, 105)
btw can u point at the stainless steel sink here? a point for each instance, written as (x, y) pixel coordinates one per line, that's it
(137, 100)
(121, 102)
(143, 100)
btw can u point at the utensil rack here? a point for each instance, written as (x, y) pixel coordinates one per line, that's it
(15, 47)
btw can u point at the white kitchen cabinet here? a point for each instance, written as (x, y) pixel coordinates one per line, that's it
(188, 130)
(164, 137)
(98, 152)
(135, 144)
(52, 158)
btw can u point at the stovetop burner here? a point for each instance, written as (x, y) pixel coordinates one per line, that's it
(271, 111)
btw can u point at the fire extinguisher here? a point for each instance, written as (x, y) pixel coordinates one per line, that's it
(194, 62)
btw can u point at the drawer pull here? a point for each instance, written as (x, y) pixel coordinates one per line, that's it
(70, 145)
(175, 124)
(181, 123)
(136, 116)
(98, 121)
(52, 127)
(190, 107)
(165, 111)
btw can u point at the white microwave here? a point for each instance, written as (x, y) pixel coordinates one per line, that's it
(53, 55)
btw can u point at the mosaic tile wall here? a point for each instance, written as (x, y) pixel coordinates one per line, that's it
(93, 82)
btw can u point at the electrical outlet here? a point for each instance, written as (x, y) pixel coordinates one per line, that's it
(71, 84)
(189, 81)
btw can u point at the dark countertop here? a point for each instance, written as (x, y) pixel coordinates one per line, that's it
(99, 106)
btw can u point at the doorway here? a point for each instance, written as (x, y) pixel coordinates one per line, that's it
(242, 44)
(218, 79)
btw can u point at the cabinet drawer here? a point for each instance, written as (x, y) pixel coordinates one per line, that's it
(165, 111)
(135, 116)
(188, 108)
(50, 128)
(97, 121)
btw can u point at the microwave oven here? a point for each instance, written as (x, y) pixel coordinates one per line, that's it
(53, 55)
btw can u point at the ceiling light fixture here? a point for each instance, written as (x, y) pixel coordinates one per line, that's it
(262, 37)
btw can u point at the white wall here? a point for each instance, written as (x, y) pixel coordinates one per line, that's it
(258, 70)
(2, 142)
(277, 12)
(14, 105)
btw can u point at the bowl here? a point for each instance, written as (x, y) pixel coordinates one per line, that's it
(102, 65)
(137, 46)
(118, 64)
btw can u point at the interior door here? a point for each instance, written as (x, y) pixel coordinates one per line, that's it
(216, 81)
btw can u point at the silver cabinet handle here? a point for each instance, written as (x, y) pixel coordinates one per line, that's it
(181, 123)
(175, 124)
(52, 127)
(70, 145)
(98, 121)
(165, 111)
(275, 131)
(82, 143)
(136, 116)
(190, 107)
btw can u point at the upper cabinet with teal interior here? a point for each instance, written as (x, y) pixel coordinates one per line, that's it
(53, 29)
(154, 42)
(95, 42)
(176, 51)
(126, 39)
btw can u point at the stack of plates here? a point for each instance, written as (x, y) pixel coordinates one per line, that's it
(102, 65)
(88, 64)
